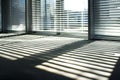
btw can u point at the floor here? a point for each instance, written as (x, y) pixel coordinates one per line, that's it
(3, 35)
(37, 57)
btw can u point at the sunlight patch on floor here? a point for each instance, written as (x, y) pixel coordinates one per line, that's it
(90, 62)
(18, 47)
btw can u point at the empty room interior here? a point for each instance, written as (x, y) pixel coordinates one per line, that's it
(59, 40)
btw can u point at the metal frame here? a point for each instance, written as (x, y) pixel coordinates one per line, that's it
(90, 20)
(4, 13)
(28, 16)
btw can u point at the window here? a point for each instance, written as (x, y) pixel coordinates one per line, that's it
(60, 15)
(17, 15)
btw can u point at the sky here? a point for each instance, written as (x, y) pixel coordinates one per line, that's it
(75, 5)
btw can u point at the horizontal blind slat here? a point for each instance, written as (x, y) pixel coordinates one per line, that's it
(107, 17)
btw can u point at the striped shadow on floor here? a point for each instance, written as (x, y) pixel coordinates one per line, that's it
(95, 61)
(18, 47)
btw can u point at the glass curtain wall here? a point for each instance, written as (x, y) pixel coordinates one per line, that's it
(16, 15)
(60, 15)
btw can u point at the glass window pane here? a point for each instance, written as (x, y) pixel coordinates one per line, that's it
(17, 15)
(60, 15)
(76, 16)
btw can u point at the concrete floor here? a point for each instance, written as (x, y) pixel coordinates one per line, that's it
(34, 57)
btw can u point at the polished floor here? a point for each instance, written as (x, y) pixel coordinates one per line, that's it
(38, 57)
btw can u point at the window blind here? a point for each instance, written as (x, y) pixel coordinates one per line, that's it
(36, 10)
(53, 15)
(106, 18)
